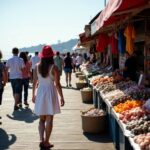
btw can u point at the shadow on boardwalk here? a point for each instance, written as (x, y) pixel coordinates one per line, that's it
(71, 88)
(25, 115)
(6, 140)
(103, 138)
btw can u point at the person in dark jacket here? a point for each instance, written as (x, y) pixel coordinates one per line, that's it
(68, 69)
(130, 67)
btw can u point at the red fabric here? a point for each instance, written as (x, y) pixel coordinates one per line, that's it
(114, 44)
(102, 43)
(106, 16)
(26, 71)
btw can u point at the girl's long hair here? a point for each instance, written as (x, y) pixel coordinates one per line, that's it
(44, 66)
(24, 57)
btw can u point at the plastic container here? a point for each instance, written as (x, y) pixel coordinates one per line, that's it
(95, 124)
(87, 95)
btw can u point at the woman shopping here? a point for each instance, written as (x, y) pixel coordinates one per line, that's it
(46, 98)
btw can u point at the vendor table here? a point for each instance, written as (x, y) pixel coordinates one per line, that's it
(121, 137)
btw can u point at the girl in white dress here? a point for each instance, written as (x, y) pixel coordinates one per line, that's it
(46, 99)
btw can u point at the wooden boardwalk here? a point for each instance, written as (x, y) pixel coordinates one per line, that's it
(19, 129)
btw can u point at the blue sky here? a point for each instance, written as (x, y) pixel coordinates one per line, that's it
(24, 23)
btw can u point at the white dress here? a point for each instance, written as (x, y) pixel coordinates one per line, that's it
(46, 102)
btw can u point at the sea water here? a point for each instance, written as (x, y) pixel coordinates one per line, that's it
(8, 54)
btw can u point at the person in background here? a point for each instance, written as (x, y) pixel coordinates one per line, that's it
(68, 69)
(46, 98)
(27, 53)
(129, 71)
(15, 66)
(79, 61)
(73, 61)
(3, 79)
(34, 60)
(58, 61)
(85, 57)
(25, 78)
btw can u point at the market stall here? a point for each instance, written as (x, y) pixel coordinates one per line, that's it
(122, 27)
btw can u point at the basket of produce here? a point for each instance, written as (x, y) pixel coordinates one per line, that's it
(87, 95)
(81, 84)
(78, 73)
(81, 77)
(94, 121)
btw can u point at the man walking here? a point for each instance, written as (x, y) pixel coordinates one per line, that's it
(59, 62)
(15, 66)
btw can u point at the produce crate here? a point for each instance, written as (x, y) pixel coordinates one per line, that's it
(94, 124)
(87, 95)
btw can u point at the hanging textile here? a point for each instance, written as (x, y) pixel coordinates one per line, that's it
(102, 42)
(114, 44)
(129, 33)
(121, 41)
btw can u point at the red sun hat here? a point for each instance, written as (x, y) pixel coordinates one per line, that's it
(46, 52)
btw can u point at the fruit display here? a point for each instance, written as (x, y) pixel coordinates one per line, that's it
(138, 92)
(114, 95)
(108, 84)
(129, 104)
(93, 112)
(138, 126)
(132, 114)
(108, 88)
(143, 140)
(89, 69)
(87, 89)
(125, 85)
(121, 99)
(102, 80)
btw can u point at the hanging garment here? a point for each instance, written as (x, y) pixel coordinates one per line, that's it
(129, 33)
(114, 44)
(103, 41)
(121, 41)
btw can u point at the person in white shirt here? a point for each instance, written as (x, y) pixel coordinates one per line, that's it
(15, 66)
(34, 60)
(79, 61)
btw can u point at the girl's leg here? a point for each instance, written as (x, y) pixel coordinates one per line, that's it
(48, 130)
(69, 79)
(26, 86)
(42, 127)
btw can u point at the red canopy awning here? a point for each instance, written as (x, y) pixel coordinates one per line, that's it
(107, 16)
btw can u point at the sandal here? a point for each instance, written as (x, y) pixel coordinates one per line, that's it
(42, 145)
